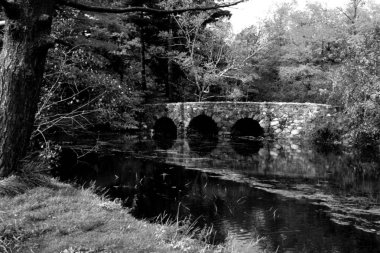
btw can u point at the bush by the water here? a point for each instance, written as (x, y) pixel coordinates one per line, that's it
(326, 132)
(361, 130)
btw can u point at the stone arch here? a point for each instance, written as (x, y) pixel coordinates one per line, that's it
(247, 127)
(165, 126)
(203, 124)
(280, 120)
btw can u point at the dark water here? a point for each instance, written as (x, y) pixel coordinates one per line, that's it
(195, 178)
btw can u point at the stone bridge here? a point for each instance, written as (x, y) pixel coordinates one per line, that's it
(278, 120)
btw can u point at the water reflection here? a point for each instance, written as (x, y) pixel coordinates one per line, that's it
(165, 133)
(151, 188)
(284, 164)
(202, 145)
(164, 142)
(246, 147)
(347, 173)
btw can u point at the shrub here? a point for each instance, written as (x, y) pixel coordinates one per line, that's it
(326, 132)
(362, 138)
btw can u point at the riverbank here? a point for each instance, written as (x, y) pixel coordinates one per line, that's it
(50, 216)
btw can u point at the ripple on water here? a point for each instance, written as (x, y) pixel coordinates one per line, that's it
(249, 193)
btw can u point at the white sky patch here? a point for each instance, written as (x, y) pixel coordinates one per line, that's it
(252, 11)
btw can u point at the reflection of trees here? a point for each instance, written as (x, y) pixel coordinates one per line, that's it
(202, 145)
(341, 174)
(246, 147)
(354, 175)
(165, 133)
(72, 169)
(164, 141)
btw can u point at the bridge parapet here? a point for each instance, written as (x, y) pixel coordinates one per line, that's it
(279, 120)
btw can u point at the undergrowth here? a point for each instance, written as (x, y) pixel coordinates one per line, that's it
(347, 128)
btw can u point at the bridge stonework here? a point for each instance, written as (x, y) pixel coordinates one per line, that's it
(279, 120)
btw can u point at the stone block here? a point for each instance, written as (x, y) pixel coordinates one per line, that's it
(263, 123)
(273, 153)
(294, 146)
(263, 152)
(274, 123)
(295, 132)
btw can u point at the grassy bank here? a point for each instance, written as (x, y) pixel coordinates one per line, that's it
(43, 215)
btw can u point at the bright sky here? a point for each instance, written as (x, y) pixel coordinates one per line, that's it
(246, 14)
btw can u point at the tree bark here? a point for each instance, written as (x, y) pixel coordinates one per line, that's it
(143, 59)
(101, 9)
(169, 79)
(22, 62)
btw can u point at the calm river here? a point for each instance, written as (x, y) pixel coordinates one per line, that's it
(294, 197)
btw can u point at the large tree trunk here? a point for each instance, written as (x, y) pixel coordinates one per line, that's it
(143, 58)
(169, 81)
(22, 61)
(143, 62)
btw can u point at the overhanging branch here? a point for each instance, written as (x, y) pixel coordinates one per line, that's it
(83, 7)
(345, 14)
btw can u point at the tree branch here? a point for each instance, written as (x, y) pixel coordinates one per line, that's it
(345, 14)
(83, 7)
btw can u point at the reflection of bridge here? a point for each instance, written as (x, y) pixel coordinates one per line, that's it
(240, 118)
(283, 159)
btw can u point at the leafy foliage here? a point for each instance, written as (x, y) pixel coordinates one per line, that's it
(88, 81)
(107, 65)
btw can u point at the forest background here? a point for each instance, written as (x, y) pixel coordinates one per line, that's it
(104, 67)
